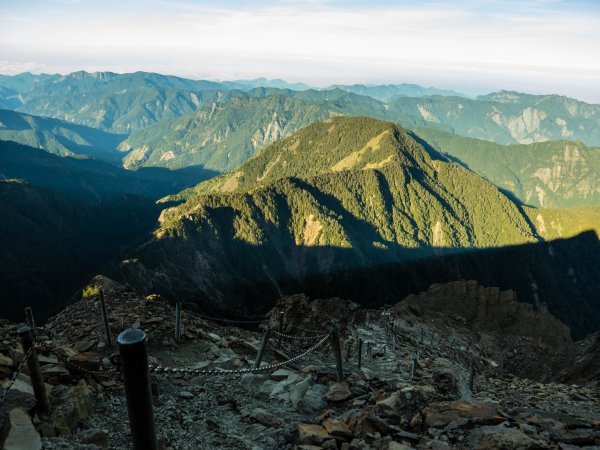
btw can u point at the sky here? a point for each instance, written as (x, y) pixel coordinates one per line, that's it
(535, 46)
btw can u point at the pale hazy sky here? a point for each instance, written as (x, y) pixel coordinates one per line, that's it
(537, 46)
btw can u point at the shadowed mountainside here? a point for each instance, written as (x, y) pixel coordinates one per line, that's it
(90, 179)
(50, 242)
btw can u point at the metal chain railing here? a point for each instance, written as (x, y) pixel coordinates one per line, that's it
(298, 338)
(16, 374)
(82, 369)
(224, 372)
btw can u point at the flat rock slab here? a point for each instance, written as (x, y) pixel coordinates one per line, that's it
(22, 434)
(442, 414)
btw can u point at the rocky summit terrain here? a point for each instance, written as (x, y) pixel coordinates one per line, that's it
(412, 390)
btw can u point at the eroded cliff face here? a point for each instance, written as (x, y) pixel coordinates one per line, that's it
(570, 174)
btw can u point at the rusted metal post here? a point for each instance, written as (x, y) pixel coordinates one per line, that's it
(136, 379)
(178, 321)
(105, 319)
(280, 328)
(360, 345)
(263, 346)
(30, 320)
(35, 373)
(337, 352)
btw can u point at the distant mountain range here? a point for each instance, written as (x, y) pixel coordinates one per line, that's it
(509, 117)
(266, 187)
(122, 103)
(388, 92)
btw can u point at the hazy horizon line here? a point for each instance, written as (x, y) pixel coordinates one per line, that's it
(323, 86)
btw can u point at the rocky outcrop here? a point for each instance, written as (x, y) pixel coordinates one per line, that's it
(487, 310)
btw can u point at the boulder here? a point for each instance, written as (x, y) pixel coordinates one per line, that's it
(446, 383)
(267, 419)
(4, 426)
(17, 398)
(313, 400)
(398, 446)
(499, 436)
(95, 437)
(298, 390)
(83, 346)
(282, 374)
(70, 405)
(87, 361)
(6, 360)
(338, 392)
(389, 405)
(22, 434)
(311, 434)
(53, 370)
(337, 429)
(361, 422)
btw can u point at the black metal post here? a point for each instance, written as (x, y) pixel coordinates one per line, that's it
(178, 321)
(105, 319)
(30, 320)
(136, 378)
(337, 352)
(35, 373)
(263, 346)
(471, 375)
(280, 328)
(360, 344)
(413, 368)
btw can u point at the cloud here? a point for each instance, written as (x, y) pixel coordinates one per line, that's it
(314, 38)
(16, 67)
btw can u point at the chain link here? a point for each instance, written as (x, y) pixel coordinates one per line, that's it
(16, 374)
(223, 372)
(306, 330)
(80, 368)
(297, 338)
